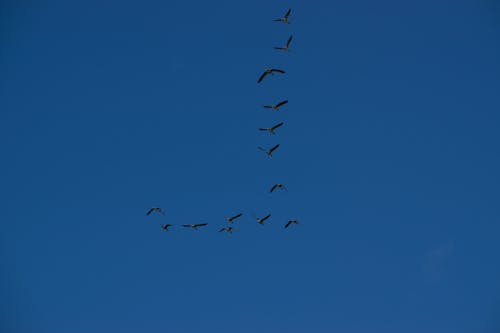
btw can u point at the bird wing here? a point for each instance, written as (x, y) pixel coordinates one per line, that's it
(281, 103)
(278, 70)
(274, 148)
(199, 225)
(187, 225)
(279, 48)
(288, 224)
(236, 216)
(289, 41)
(288, 12)
(222, 229)
(263, 129)
(268, 106)
(273, 188)
(277, 126)
(262, 77)
(277, 20)
(150, 211)
(260, 148)
(266, 217)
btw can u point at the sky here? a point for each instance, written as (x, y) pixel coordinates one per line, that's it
(389, 150)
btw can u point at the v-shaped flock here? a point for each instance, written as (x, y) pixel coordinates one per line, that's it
(269, 151)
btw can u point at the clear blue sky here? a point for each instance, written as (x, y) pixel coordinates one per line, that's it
(390, 151)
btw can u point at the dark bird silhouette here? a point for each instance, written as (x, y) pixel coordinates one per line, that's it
(272, 129)
(277, 186)
(287, 45)
(194, 226)
(276, 107)
(263, 219)
(155, 209)
(232, 218)
(284, 19)
(166, 226)
(270, 71)
(270, 151)
(229, 230)
(290, 222)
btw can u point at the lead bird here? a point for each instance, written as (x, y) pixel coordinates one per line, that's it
(290, 222)
(270, 71)
(263, 219)
(286, 47)
(194, 226)
(270, 151)
(166, 226)
(155, 209)
(277, 186)
(276, 107)
(229, 230)
(284, 19)
(272, 129)
(232, 218)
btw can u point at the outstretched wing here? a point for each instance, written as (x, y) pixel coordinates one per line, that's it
(278, 70)
(289, 41)
(288, 224)
(222, 229)
(273, 188)
(150, 211)
(277, 126)
(263, 129)
(260, 148)
(265, 217)
(288, 12)
(281, 103)
(277, 20)
(279, 48)
(188, 225)
(199, 225)
(268, 106)
(274, 148)
(262, 77)
(236, 216)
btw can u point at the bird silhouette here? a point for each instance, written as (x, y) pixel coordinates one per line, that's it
(272, 129)
(276, 107)
(263, 219)
(194, 226)
(269, 71)
(270, 151)
(284, 19)
(277, 186)
(286, 47)
(290, 222)
(232, 218)
(166, 226)
(155, 209)
(229, 230)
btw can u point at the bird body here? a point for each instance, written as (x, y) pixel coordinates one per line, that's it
(270, 151)
(290, 222)
(269, 71)
(287, 45)
(194, 226)
(272, 129)
(232, 218)
(277, 186)
(284, 19)
(276, 107)
(155, 209)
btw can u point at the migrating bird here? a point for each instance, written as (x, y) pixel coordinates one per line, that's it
(286, 47)
(270, 151)
(278, 186)
(290, 222)
(276, 107)
(284, 19)
(272, 129)
(166, 226)
(229, 230)
(194, 226)
(269, 71)
(263, 219)
(155, 209)
(232, 218)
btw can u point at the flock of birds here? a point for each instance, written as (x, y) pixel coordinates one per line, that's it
(269, 152)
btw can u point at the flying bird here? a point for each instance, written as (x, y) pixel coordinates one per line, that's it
(272, 129)
(276, 107)
(269, 71)
(155, 209)
(286, 47)
(263, 219)
(270, 151)
(278, 186)
(166, 226)
(284, 19)
(194, 226)
(290, 222)
(229, 230)
(232, 218)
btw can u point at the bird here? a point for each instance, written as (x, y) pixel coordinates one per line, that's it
(166, 226)
(263, 219)
(194, 226)
(272, 129)
(290, 222)
(276, 107)
(232, 218)
(229, 230)
(155, 209)
(277, 186)
(270, 151)
(269, 71)
(284, 19)
(286, 47)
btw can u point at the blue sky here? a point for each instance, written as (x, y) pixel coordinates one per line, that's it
(390, 151)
